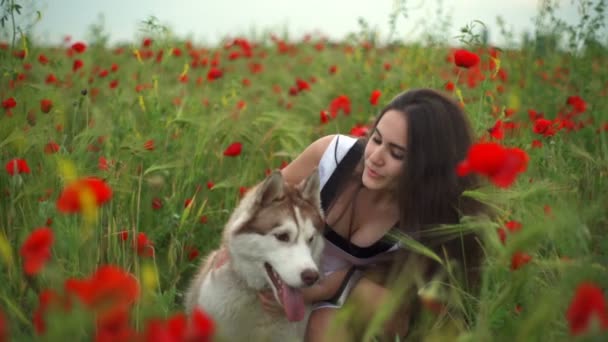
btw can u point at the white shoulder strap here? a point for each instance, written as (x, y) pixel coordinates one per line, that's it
(334, 153)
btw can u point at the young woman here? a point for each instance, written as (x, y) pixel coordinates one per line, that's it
(401, 177)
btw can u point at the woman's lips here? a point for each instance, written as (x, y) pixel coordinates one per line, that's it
(373, 174)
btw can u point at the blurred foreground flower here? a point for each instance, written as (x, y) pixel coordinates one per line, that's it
(587, 307)
(500, 164)
(200, 328)
(36, 250)
(82, 194)
(108, 289)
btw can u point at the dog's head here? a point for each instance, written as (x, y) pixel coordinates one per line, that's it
(274, 238)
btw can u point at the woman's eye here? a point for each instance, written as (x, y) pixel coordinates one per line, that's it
(377, 140)
(398, 156)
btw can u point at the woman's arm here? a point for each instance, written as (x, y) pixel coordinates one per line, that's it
(305, 163)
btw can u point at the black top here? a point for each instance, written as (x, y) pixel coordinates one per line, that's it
(343, 169)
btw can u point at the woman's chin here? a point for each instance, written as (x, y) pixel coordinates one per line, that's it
(370, 183)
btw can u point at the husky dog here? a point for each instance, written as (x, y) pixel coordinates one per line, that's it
(272, 240)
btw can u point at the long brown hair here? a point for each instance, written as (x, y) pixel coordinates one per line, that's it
(429, 191)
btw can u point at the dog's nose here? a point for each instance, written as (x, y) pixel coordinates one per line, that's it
(309, 276)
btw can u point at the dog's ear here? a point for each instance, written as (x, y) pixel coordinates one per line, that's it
(272, 189)
(310, 188)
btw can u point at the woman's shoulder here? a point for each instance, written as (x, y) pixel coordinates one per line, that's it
(338, 143)
(321, 153)
(331, 144)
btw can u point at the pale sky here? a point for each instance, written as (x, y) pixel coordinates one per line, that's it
(208, 21)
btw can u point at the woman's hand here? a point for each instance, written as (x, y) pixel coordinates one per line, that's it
(269, 303)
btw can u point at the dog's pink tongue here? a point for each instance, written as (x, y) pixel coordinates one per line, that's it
(293, 303)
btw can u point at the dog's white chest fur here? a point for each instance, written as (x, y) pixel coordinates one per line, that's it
(239, 314)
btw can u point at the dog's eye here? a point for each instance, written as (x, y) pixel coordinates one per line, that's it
(282, 237)
(311, 238)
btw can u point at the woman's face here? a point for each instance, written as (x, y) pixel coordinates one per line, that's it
(385, 152)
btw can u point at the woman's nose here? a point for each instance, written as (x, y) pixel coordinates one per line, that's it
(376, 157)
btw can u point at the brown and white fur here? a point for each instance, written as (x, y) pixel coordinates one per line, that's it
(273, 241)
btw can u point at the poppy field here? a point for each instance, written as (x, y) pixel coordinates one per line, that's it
(121, 164)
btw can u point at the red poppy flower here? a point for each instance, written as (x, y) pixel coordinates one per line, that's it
(497, 132)
(16, 166)
(157, 203)
(102, 163)
(114, 326)
(511, 227)
(149, 145)
(77, 65)
(214, 74)
(501, 165)
(323, 117)
(42, 59)
(200, 327)
(21, 54)
(50, 78)
(233, 150)
(74, 194)
(588, 304)
(36, 250)
(465, 59)
(502, 235)
(302, 85)
(519, 259)
(359, 130)
(578, 104)
(109, 288)
(9, 103)
(47, 299)
(544, 127)
(192, 252)
(256, 68)
(51, 147)
(373, 98)
(340, 103)
(79, 47)
(144, 246)
(46, 105)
